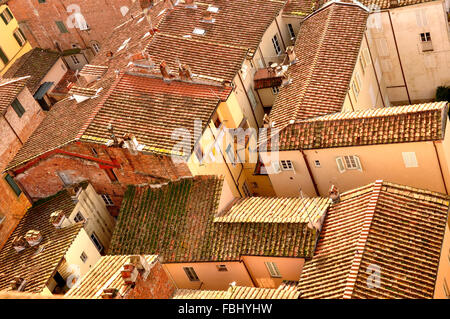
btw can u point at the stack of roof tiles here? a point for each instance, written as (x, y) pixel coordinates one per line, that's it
(326, 59)
(36, 63)
(180, 222)
(37, 266)
(395, 229)
(10, 89)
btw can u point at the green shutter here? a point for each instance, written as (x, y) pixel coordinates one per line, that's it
(62, 28)
(3, 57)
(13, 184)
(18, 107)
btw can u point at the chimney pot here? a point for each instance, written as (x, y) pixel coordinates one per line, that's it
(58, 219)
(334, 194)
(129, 274)
(109, 293)
(18, 283)
(33, 237)
(19, 243)
(207, 16)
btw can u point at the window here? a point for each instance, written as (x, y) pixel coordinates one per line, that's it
(198, 31)
(6, 16)
(112, 176)
(425, 37)
(358, 80)
(190, 272)
(20, 37)
(18, 108)
(410, 159)
(446, 289)
(94, 152)
(273, 269)
(64, 178)
(41, 1)
(222, 268)
(108, 201)
(79, 218)
(13, 184)
(75, 59)
(3, 57)
(62, 28)
(199, 153)
(275, 90)
(317, 163)
(216, 120)
(291, 30)
(83, 257)
(96, 242)
(286, 165)
(251, 97)
(276, 45)
(349, 162)
(96, 47)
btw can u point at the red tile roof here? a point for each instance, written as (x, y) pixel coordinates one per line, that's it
(400, 124)
(177, 221)
(36, 63)
(9, 90)
(38, 268)
(396, 229)
(386, 4)
(326, 59)
(299, 8)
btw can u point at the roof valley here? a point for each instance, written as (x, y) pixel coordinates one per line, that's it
(362, 240)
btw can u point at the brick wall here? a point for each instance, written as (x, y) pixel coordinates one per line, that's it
(38, 20)
(13, 207)
(42, 180)
(157, 285)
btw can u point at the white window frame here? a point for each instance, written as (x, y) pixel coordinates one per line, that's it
(317, 163)
(77, 219)
(348, 162)
(410, 159)
(425, 37)
(191, 274)
(273, 270)
(276, 45)
(21, 37)
(286, 165)
(107, 199)
(97, 245)
(275, 90)
(96, 47)
(75, 59)
(83, 257)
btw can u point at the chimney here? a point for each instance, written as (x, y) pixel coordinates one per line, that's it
(130, 142)
(393, 3)
(165, 71)
(129, 273)
(291, 54)
(19, 243)
(207, 16)
(74, 193)
(33, 237)
(266, 120)
(141, 265)
(184, 72)
(18, 283)
(334, 194)
(109, 293)
(58, 219)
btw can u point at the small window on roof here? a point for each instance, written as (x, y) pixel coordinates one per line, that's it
(198, 31)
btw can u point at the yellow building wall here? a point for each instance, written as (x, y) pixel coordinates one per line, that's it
(9, 44)
(290, 269)
(209, 277)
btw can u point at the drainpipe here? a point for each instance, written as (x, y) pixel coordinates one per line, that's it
(398, 55)
(248, 98)
(310, 173)
(12, 129)
(440, 168)
(374, 70)
(248, 272)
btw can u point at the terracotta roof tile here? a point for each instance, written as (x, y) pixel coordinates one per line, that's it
(326, 60)
(93, 70)
(299, 8)
(35, 63)
(397, 228)
(9, 89)
(177, 221)
(238, 292)
(38, 268)
(413, 123)
(386, 4)
(106, 273)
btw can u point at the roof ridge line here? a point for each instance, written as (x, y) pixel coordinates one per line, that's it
(14, 79)
(98, 107)
(362, 240)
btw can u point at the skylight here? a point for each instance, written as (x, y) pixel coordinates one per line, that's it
(198, 31)
(213, 9)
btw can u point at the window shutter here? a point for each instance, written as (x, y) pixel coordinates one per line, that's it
(340, 164)
(18, 108)
(3, 17)
(358, 162)
(3, 57)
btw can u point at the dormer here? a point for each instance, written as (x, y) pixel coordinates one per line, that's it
(58, 219)
(33, 237)
(19, 243)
